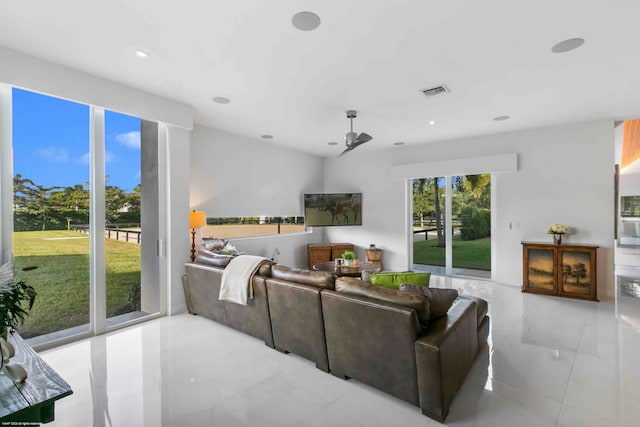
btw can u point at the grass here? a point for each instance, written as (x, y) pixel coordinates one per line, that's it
(474, 254)
(62, 277)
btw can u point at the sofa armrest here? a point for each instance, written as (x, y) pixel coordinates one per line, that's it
(372, 342)
(444, 356)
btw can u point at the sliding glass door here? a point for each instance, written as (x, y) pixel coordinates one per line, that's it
(452, 225)
(51, 145)
(85, 183)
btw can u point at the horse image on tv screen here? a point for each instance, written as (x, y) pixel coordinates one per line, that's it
(333, 209)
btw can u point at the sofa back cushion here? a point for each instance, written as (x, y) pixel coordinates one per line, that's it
(440, 299)
(319, 279)
(393, 280)
(353, 286)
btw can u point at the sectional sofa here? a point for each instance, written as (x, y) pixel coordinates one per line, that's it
(351, 329)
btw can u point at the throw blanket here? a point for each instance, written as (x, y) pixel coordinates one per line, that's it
(236, 278)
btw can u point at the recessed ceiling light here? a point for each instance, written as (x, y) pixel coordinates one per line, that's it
(305, 21)
(332, 143)
(267, 136)
(567, 45)
(398, 143)
(220, 100)
(501, 118)
(142, 53)
(432, 122)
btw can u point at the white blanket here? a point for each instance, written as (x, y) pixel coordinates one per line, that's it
(236, 278)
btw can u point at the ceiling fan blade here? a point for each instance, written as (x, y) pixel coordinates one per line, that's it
(346, 151)
(362, 138)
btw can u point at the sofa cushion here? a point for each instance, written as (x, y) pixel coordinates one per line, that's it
(482, 308)
(205, 257)
(394, 280)
(353, 286)
(319, 279)
(439, 299)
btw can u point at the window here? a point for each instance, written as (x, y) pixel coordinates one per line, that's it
(235, 227)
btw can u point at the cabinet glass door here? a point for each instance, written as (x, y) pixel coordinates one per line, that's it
(539, 270)
(577, 277)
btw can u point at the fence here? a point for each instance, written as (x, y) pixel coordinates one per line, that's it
(115, 233)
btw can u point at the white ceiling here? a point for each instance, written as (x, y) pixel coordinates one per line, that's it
(370, 55)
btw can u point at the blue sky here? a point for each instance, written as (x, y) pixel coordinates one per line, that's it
(51, 142)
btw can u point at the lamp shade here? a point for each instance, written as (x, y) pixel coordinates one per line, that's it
(197, 219)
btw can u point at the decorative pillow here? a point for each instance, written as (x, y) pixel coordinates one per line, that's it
(394, 280)
(353, 286)
(265, 268)
(440, 299)
(210, 258)
(366, 274)
(319, 279)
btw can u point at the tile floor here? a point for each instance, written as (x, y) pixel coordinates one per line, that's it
(550, 362)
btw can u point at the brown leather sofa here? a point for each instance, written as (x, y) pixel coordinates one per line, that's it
(202, 287)
(379, 342)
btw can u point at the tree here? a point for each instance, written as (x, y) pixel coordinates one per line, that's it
(478, 187)
(566, 273)
(440, 223)
(35, 201)
(422, 205)
(115, 200)
(579, 271)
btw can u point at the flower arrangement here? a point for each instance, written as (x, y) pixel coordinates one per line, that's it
(557, 229)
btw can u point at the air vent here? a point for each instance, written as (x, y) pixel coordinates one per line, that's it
(433, 91)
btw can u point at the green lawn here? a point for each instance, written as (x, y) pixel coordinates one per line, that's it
(62, 277)
(475, 254)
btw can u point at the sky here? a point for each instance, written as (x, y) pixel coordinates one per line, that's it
(51, 142)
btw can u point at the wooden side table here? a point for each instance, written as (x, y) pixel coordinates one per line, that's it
(30, 402)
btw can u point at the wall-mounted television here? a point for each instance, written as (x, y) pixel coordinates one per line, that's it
(630, 206)
(322, 210)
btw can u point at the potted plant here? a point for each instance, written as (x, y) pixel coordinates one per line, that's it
(16, 298)
(349, 258)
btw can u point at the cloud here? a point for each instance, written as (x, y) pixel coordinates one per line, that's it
(53, 154)
(84, 159)
(130, 139)
(108, 157)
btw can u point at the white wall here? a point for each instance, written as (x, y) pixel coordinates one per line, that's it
(565, 174)
(233, 176)
(37, 75)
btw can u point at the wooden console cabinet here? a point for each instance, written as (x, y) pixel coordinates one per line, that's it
(560, 270)
(323, 252)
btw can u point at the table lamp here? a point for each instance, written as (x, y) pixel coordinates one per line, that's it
(197, 219)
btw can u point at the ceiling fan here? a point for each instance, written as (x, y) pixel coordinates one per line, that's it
(352, 139)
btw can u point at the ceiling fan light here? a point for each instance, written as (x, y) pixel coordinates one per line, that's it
(350, 137)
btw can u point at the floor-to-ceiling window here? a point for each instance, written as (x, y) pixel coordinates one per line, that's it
(452, 225)
(85, 188)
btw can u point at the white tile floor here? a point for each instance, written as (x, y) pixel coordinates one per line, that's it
(551, 362)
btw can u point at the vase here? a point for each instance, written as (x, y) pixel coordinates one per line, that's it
(557, 239)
